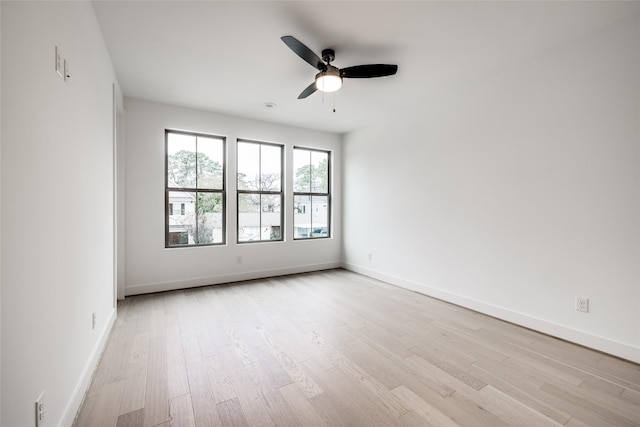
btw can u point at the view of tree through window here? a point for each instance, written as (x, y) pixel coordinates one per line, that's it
(194, 189)
(260, 194)
(311, 198)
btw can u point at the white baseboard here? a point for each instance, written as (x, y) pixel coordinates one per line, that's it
(227, 278)
(83, 384)
(586, 339)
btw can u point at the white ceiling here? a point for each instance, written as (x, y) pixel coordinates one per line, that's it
(227, 57)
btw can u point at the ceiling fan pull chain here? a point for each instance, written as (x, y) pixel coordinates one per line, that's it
(334, 102)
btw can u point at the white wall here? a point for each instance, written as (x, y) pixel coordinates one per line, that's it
(120, 198)
(514, 193)
(57, 207)
(0, 215)
(149, 266)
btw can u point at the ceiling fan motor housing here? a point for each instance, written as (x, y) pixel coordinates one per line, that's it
(328, 55)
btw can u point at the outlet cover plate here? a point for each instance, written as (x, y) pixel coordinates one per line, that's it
(40, 410)
(582, 304)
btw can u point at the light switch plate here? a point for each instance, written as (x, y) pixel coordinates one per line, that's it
(67, 73)
(59, 62)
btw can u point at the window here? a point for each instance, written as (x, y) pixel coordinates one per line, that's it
(194, 190)
(311, 197)
(260, 195)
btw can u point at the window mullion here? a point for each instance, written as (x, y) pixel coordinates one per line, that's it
(260, 189)
(197, 233)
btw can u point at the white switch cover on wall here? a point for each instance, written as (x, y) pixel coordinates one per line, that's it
(40, 410)
(59, 62)
(67, 72)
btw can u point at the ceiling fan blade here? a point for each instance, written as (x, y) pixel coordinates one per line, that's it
(367, 71)
(308, 91)
(304, 52)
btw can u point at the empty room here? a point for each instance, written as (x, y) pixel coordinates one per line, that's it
(319, 213)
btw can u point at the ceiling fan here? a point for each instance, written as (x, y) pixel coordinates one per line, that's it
(329, 79)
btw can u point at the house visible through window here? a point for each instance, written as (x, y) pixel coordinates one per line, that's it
(311, 196)
(194, 190)
(260, 195)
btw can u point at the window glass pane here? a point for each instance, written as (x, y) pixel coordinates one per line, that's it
(248, 166)
(210, 158)
(259, 172)
(319, 172)
(302, 170)
(181, 160)
(301, 217)
(209, 208)
(319, 216)
(271, 218)
(248, 217)
(182, 224)
(270, 167)
(194, 217)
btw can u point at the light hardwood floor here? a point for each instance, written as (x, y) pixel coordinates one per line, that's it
(335, 349)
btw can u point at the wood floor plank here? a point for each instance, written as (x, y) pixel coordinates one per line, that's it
(237, 340)
(181, 411)
(102, 371)
(231, 413)
(631, 396)
(83, 418)
(277, 408)
(133, 396)
(202, 400)
(522, 388)
(131, 419)
(431, 415)
(250, 399)
(335, 348)
(510, 409)
(344, 402)
(156, 402)
(219, 376)
(105, 411)
(375, 363)
(177, 379)
(459, 372)
(430, 376)
(278, 375)
(387, 399)
(308, 386)
(300, 406)
(589, 407)
(139, 351)
(119, 362)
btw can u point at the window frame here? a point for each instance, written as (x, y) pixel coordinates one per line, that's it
(222, 191)
(281, 193)
(310, 194)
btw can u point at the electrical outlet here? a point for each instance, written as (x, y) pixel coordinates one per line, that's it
(370, 256)
(582, 304)
(239, 260)
(40, 410)
(93, 320)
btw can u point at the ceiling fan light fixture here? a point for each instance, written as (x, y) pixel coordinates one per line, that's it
(329, 80)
